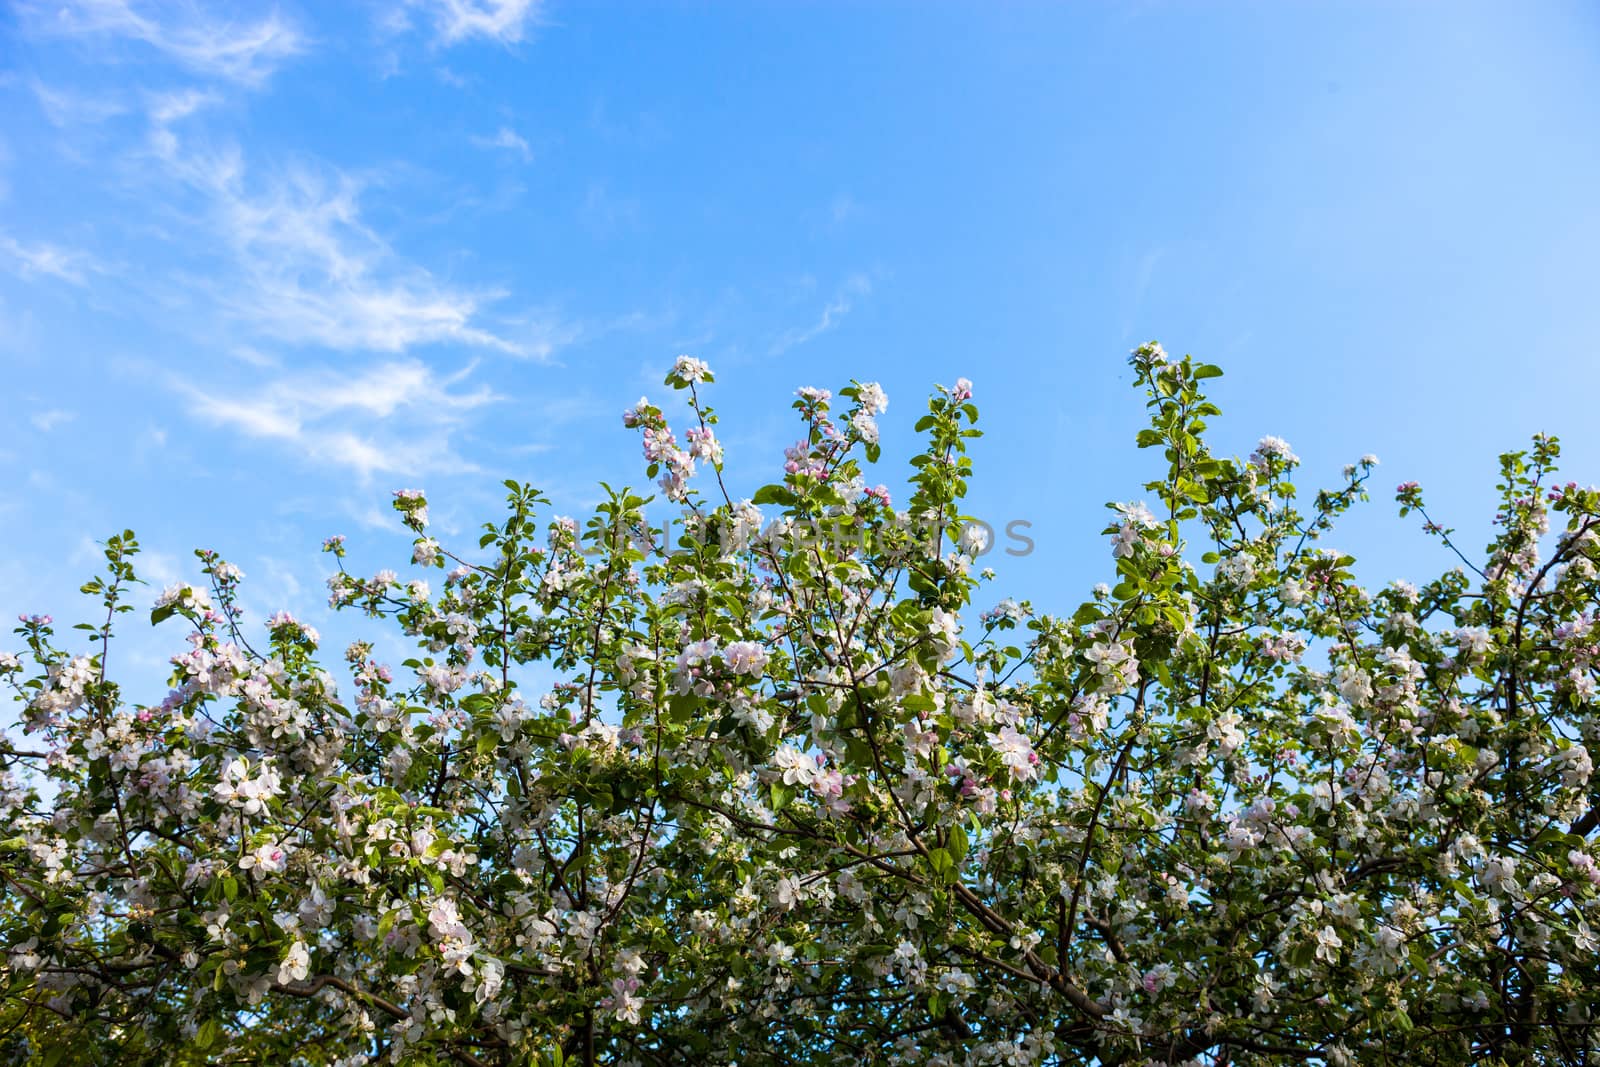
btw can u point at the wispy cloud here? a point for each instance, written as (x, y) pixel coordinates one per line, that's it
(246, 52)
(504, 21)
(370, 516)
(45, 421)
(307, 270)
(64, 107)
(634, 129)
(508, 139)
(541, 335)
(1144, 273)
(395, 417)
(30, 261)
(167, 108)
(19, 330)
(606, 213)
(854, 287)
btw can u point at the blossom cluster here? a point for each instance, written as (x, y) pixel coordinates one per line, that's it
(795, 785)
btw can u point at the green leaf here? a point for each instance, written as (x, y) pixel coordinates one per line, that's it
(773, 494)
(958, 843)
(681, 708)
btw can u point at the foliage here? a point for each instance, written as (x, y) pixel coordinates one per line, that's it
(792, 802)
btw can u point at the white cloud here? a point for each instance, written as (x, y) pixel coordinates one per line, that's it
(395, 417)
(542, 332)
(309, 271)
(508, 139)
(857, 285)
(64, 107)
(253, 356)
(540, 335)
(606, 213)
(45, 421)
(505, 21)
(167, 108)
(256, 416)
(371, 517)
(19, 330)
(157, 567)
(30, 261)
(247, 52)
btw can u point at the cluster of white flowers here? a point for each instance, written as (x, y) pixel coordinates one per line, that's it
(689, 370)
(454, 940)
(246, 792)
(745, 657)
(1115, 664)
(1270, 449)
(296, 964)
(186, 596)
(1236, 572)
(1016, 752)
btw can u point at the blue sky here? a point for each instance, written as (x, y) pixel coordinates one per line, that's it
(260, 265)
